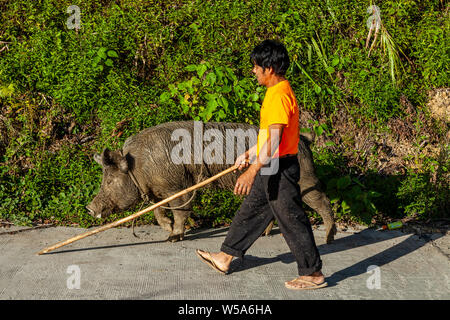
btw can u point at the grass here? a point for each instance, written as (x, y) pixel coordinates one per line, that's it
(66, 94)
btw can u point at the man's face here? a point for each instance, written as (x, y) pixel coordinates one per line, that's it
(261, 75)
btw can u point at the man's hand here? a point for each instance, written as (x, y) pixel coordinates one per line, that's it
(244, 182)
(242, 161)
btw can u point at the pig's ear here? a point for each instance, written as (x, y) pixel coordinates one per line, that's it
(98, 159)
(122, 164)
(106, 159)
(113, 158)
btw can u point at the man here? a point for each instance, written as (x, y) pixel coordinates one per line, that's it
(271, 180)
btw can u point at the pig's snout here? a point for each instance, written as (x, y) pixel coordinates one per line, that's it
(92, 212)
(99, 208)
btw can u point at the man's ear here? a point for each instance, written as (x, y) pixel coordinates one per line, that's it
(270, 70)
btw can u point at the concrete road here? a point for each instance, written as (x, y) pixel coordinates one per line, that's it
(364, 264)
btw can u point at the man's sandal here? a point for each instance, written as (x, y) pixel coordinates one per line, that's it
(310, 285)
(209, 260)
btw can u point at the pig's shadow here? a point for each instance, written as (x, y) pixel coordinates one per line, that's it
(361, 239)
(106, 247)
(199, 234)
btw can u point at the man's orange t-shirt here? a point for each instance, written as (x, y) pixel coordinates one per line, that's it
(280, 107)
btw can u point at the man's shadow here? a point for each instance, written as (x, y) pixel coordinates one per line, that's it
(361, 239)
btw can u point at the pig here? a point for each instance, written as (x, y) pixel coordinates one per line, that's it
(148, 168)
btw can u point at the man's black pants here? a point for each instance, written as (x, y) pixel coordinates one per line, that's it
(275, 196)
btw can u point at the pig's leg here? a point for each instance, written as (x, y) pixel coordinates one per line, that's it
(179, 216)
(163, 220)
(316, 199)
(311, 191)
(268, 228)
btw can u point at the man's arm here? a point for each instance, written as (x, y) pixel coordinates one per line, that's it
(245, 181)
(244, 160)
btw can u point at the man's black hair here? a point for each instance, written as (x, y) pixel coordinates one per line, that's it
(271, 53)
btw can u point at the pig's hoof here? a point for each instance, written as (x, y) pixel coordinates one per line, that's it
(331, 232)
(268, 229)
(167, 227)
(175, 237)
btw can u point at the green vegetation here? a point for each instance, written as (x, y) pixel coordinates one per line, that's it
(219, 97)
(67, 93)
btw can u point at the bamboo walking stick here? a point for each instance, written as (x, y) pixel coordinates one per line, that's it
(137, 214)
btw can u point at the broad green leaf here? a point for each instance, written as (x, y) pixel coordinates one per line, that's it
(185, 108)
(317, 89)
(191, 68)
(226, 89)
(232, 109)
(221, 115)
(223, 102)
(112, 54)
(96, 60)
(319, 130)
(208, 116)
(211, 96)
(102, 53)
(164, 97)
(239, 92)
(332, 184)
(334, 200)
(201, 69)
(344, 182)
(355, 192)
(194, 26)
(335, 61)
(345, 205)
(374, 194)
(211, 78)
(305, 130)
(358, 182)
(195, 81)
(181, 86)
(219, 73)
(211, 106)
(109, 62)
(6, 91)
